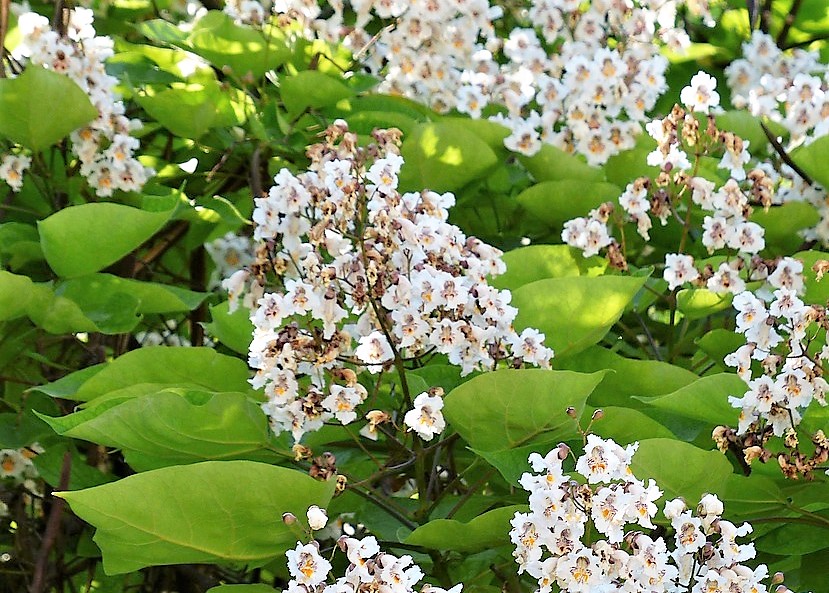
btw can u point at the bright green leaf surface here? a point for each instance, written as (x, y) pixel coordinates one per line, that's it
(782, 224)
(443, 156)
(216, 511)
(537, 262)
(152, 297)
(234, 330)
(553, 164)
(812, 159)
(576, 312)
(311, 88)
(173, 427)
(164, 365)
(83, 239)
(510, 408)
(190, 112)
(489, 530)
(556, 202)
(705, 399)
(680, 469)
(696, 303)
(23, 118)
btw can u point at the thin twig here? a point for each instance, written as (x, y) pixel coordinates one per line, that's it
(169, 239)
(52, 529)
(787, 24)
(784, 156)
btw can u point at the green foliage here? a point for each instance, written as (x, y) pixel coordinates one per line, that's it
(214, 511)
(23, 119)
(486, 531)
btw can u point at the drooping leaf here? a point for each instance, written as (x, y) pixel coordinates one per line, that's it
(509, 408)
(215, 511)
(574, 312)
(151, 297)
(24, 119)
(488, 530)
(706, 399)
(173, 427)
(83, 239)
(168, 366)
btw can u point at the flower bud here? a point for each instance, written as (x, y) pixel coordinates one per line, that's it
(288, 518)
(597, 415)
(317, 517)
(571, 411)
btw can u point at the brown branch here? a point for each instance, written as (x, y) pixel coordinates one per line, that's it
(169, 239)
(784, 156)
(787, 24)
(52, 529)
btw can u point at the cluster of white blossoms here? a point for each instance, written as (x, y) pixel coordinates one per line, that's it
(790, 88)
(553, 540)
(230, 253)
(17, 465)
(725, 208)
(580, 76)
(778, 332)
(104, 147)
(366, 277)
(12, 167)
(369, 569)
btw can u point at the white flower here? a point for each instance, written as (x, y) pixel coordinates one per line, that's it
(317, 517)
(307, 566)
(426, 419)
(679, 269)
(374, 350)
(700, 95)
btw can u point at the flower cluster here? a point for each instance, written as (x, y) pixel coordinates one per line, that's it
(354, 260)
(779, 330)
(104, 147)
(678, 188)
(229, 253)
(16, 464)
(551, 539)
(792, 89)
(369, 569)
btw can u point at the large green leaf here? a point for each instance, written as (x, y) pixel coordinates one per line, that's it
(537, 262)
(443, 156)
(83, 239)
(40, 107)
(15, 295)
(489, 530)
(151, 297)
(217, 39)
(215, 511)
(553, 164)
(234, 330)
(628, 378)
(817, 291)
(783, 223)
(574, 312)
(190, 112)
(311, 88)
(556, 202)
(173, 427)
(168, 366)
(706, 399)
(509, 408)
(696, 303)
(681, 469)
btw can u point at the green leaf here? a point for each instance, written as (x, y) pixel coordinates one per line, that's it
(24, 119)
(718, 343)
(190, 112)
(537, 262)
(553, 164)
(173, 427)
(795, 539)
(443, 156)
(706, 399)
(215, 511)
(812, 159)
(574, 312)
(151, 297)
(509, 408)
(224, 44)
(782, 224)
(15, 294)
(170, 366)
(625, 425)
(234, 330)
(512, 463)
(83, 239)
(556, 202)
(681, 469)
(630, 377)
(628, 165)
(311, 88)
(489, 530)
(696, 303)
